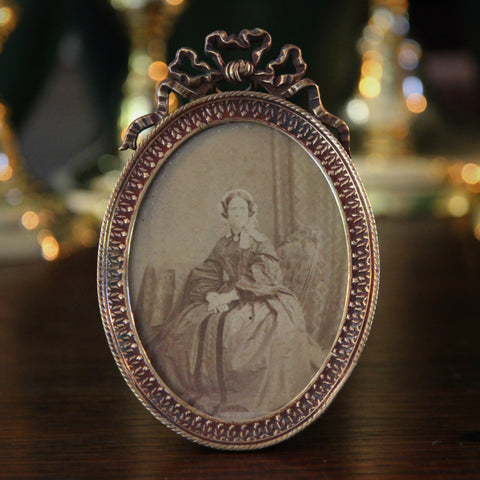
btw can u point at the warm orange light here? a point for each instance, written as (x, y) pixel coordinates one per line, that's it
(50, 248)
(476, 231)
(3, 112)
(43, 234)
(374, 30)
(172, 102)
(369, 87)
(372, 68)
(158, 71)
(6, 173)
(5, 15)
(373, 55)
(458, 205)
(399, 7)
(416, 103)
(471, 173)
(475, 188)
(174, 2)
(30, 220)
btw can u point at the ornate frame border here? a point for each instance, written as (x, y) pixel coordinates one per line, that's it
(206, 112)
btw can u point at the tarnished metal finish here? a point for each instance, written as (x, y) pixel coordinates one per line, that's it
(258, 100)
(114, 251)
(241, 74)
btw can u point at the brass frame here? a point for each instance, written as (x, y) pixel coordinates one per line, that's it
(115, 242)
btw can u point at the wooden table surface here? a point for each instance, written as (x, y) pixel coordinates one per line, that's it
(411, 408)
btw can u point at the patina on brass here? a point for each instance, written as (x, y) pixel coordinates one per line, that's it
(237, 72)
(315, 226)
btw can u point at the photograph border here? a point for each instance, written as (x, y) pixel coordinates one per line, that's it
(115, 243)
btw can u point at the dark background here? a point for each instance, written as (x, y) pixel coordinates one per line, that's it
(63, 67)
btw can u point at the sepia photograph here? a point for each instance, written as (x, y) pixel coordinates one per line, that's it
(239, 270)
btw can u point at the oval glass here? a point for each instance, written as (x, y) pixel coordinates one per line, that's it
(238, 270)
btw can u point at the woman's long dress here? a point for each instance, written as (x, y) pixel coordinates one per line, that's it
(249, 361)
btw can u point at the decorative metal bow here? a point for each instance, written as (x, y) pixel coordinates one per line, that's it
(241, 73)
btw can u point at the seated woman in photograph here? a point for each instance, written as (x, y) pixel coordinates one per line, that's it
(238, 348)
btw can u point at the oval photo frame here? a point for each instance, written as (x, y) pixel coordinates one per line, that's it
(294, 286)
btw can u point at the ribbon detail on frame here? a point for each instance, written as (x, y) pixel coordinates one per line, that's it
(238, 72)
(238, 263)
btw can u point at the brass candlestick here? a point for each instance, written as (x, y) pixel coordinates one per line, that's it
(149, 25)
(34, 223)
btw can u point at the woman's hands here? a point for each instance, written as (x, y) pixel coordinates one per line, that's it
(218, 302)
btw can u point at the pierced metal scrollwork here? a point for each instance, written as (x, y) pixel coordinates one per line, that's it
(240, 73)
